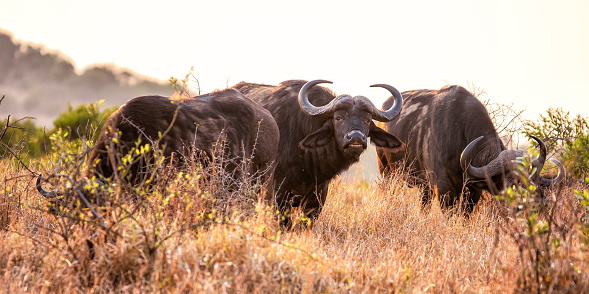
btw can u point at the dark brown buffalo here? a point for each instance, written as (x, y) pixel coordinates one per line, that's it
(242, 127)
(437, 126)
(321, 135)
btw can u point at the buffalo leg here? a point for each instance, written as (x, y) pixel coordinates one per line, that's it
(383, 164)
(315, 200)
(447, 193)
(473, 199)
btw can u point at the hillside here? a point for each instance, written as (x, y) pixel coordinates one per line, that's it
(40, 83)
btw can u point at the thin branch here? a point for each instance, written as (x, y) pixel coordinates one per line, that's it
(5, 128)
(96, 215)
(29, 236)
(84, 199)
(33, 174)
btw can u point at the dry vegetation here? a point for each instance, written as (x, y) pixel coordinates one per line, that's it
(199, 230)
(190, 232)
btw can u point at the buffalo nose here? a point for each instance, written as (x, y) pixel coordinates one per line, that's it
(356, 136)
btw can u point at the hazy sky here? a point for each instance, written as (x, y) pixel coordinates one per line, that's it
(534, 54)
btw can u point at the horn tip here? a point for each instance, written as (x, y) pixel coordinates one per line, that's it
(321, 82)
(533, 137)
(380, 85)
(537, 139)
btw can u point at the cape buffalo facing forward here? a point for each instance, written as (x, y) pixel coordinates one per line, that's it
(321, 135)
(436, 126)
(241, 126)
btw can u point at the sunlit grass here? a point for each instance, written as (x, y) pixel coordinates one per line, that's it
(370, 238)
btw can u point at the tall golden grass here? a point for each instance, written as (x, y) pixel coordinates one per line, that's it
(191, 232)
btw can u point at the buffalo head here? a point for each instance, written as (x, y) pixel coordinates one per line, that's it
(349, 121)
(504, 166)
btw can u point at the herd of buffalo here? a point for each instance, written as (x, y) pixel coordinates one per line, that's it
(299, 136)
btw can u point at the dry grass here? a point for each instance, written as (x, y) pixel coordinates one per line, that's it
(369, 239)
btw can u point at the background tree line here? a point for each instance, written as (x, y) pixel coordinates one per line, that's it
(39, 82)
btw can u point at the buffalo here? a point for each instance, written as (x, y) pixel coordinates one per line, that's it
(222, 123)
(321, 135)
(437, 126)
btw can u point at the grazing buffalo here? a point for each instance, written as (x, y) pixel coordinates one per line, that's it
(437, 126)
(223, 121)
(321, 135)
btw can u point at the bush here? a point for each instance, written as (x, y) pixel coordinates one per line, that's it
(84, 121)
(576, 157)
(558, 127)
(22, 136)
(541, 230)
(565, 136)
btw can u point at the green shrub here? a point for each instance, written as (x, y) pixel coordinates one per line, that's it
(576, 157)
(583, 225)
(84, 121)
(566, 136)
(543, 237)
(22, 137)
(558, 127)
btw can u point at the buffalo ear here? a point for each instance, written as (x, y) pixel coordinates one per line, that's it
(382, 138)
(319, 138)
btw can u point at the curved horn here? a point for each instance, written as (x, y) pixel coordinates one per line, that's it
(304, 103)
(43, 192)
(466, 153)
(559, 178)
(388, 115)
(538, 162)
(501, 164)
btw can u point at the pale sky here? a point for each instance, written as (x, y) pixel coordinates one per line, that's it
(534, 54)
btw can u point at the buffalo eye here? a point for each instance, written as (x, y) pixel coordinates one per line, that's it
(367, 121)
(337, 118)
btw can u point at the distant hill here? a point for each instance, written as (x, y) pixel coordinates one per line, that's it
(40, 83)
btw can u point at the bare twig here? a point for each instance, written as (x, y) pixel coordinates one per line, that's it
(83, 198)
(33, 174)
(5, 128)
(87, 203)
(10, 150)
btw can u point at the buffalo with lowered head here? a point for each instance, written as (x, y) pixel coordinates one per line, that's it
(321, 135)
(437, 126)
(224, 119)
